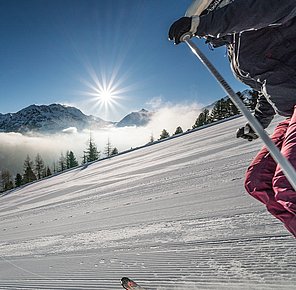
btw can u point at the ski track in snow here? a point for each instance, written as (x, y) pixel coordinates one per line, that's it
(173, 215)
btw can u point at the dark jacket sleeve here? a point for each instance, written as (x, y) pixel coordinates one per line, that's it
(264, 112)
(242, 15)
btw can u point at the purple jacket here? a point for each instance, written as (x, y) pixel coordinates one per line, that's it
(261, 39)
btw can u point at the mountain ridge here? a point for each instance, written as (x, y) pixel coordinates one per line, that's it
(55, 118)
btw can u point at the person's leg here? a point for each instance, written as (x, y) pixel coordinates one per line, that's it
(259, 176)
(284, 192)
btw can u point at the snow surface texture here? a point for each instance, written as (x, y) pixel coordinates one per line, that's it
(173, 215)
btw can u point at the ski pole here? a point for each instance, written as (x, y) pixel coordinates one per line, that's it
(286, 166)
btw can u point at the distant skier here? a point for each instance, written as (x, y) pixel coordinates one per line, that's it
(130, 284)
(260, 37)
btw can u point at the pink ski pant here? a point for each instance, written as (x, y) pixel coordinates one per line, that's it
(266, 181)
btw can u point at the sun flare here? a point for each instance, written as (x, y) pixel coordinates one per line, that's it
(106, 90)
(106, 96)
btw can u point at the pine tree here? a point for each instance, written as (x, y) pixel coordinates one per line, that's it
(6, 180)
(108, 148)
(91, 153)
(232, 109)
(10, 185)
(215, 112)
(179, 130)
(219, 110)
(39, 166)
(84, 158)
(55, 167)
(224, 108)
(114, 151)
(206, 117)
(203, 119)
(18, 180)
(62, 163)
(48, 171)
(71, 160)
(28, 163)
(29, 175)
(43, 174)
(68, 159)
(164, 134)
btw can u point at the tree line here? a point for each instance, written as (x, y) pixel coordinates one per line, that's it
(37, 169)
(223, 109)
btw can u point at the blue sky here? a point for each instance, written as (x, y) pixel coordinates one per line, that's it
(57, 51)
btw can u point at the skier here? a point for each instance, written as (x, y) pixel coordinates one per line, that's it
(260, 37)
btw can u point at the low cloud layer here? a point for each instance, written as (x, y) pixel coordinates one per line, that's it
(14, 147)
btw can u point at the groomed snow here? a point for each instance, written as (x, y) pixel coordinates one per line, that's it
(173, 215)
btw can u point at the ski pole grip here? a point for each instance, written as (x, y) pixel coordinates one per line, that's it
(186, 36)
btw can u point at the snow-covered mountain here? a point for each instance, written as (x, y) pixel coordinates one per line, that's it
(138, 119)
(48, 119)
(172, 216)
(56, 118)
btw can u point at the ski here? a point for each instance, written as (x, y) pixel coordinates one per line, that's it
(129, 284)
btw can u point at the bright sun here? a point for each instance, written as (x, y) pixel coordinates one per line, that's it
(106, 91)
(106, 96)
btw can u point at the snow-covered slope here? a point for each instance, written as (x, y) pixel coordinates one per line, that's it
(171, 216)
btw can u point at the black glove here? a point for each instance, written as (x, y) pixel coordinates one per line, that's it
(246, 132)
(179, 28)
(185, 25)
